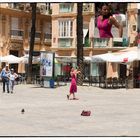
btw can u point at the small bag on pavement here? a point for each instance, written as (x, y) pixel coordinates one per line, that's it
(86, 113)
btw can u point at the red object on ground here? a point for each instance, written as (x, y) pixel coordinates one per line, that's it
(86, 113)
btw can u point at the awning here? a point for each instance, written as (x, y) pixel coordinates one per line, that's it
(129, 56)
(123, 56)
(107, 57)
(87, 59)
(25, 59)
(138, 5)
(10, 59)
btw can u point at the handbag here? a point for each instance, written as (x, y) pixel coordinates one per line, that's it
(86, 113)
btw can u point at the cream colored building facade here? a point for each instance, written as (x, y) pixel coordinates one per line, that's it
(15, 28)
(56, 30)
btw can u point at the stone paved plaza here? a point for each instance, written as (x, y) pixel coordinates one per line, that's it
(114, 112)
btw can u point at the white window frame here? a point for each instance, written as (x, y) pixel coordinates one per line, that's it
(65, 7)
(66, 44)
(65, 28)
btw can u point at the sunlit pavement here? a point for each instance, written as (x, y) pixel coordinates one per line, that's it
(114, 112)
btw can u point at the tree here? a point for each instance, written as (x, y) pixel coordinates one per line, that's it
(32, 40)
(80, 62)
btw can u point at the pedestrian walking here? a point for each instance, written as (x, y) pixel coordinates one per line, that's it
(12, 77)
(5, 79)
(73, 86)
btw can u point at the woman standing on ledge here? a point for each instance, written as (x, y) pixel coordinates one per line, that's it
(73, 86)
(105, 21)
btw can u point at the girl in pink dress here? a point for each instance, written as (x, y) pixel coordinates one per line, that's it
(73, 86)
(105, 22)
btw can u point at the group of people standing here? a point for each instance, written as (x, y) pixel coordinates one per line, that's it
(8, 77)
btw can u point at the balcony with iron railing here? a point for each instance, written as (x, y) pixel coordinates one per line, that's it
(47, 37)
(16, 34)
(37, 36)
(120, 42)
(16, 6)
(86, 42)
(65, 42)
(88, 7)
(66, 7)
(110, 42)
(41, 8)
(100, 42)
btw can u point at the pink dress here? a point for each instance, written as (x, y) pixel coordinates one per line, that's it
(73, 86)
(104, 28)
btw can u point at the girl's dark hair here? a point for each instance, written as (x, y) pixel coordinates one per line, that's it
(106, 4)
(110, 8)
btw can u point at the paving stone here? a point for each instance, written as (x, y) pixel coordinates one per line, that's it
(114, 112)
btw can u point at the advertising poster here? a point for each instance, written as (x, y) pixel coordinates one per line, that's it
(46, 67)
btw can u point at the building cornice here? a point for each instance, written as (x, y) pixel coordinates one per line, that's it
(72, 15)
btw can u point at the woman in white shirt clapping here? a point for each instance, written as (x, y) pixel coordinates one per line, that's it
(12, 78)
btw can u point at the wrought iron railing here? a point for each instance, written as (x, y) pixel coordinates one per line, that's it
(88, 7)
(47, 37)
(120, 42)
(100, 42)
(17, 34)
(110, 42)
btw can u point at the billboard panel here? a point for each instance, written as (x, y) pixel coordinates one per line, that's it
(46, 65)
